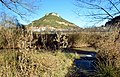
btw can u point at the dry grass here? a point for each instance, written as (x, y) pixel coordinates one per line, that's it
(34, 64)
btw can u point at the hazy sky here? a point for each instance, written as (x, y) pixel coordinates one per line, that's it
(65, 8)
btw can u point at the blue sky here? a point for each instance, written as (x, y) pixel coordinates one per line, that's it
(65, 8)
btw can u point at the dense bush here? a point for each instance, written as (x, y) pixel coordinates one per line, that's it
(9, 37)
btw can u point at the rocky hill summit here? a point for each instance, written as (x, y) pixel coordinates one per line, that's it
(53, 20)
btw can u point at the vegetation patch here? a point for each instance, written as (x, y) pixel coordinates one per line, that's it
(20, 63)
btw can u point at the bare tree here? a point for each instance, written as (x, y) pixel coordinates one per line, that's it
(98, 10)
(21, 7)
(6, 20)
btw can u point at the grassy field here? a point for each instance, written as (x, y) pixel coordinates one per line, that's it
(33, 63)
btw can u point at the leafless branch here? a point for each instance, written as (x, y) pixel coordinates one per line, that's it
(98, 9)
(21, 7)
(114, 5)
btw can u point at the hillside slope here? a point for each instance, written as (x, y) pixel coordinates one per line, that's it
(53, 20)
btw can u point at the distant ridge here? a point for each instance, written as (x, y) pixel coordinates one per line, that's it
(53, 20)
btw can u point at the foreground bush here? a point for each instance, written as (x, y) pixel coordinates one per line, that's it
(24, 63)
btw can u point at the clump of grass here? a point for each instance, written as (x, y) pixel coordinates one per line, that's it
(105, 67)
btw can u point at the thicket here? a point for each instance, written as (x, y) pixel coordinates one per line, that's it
(14, 38)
